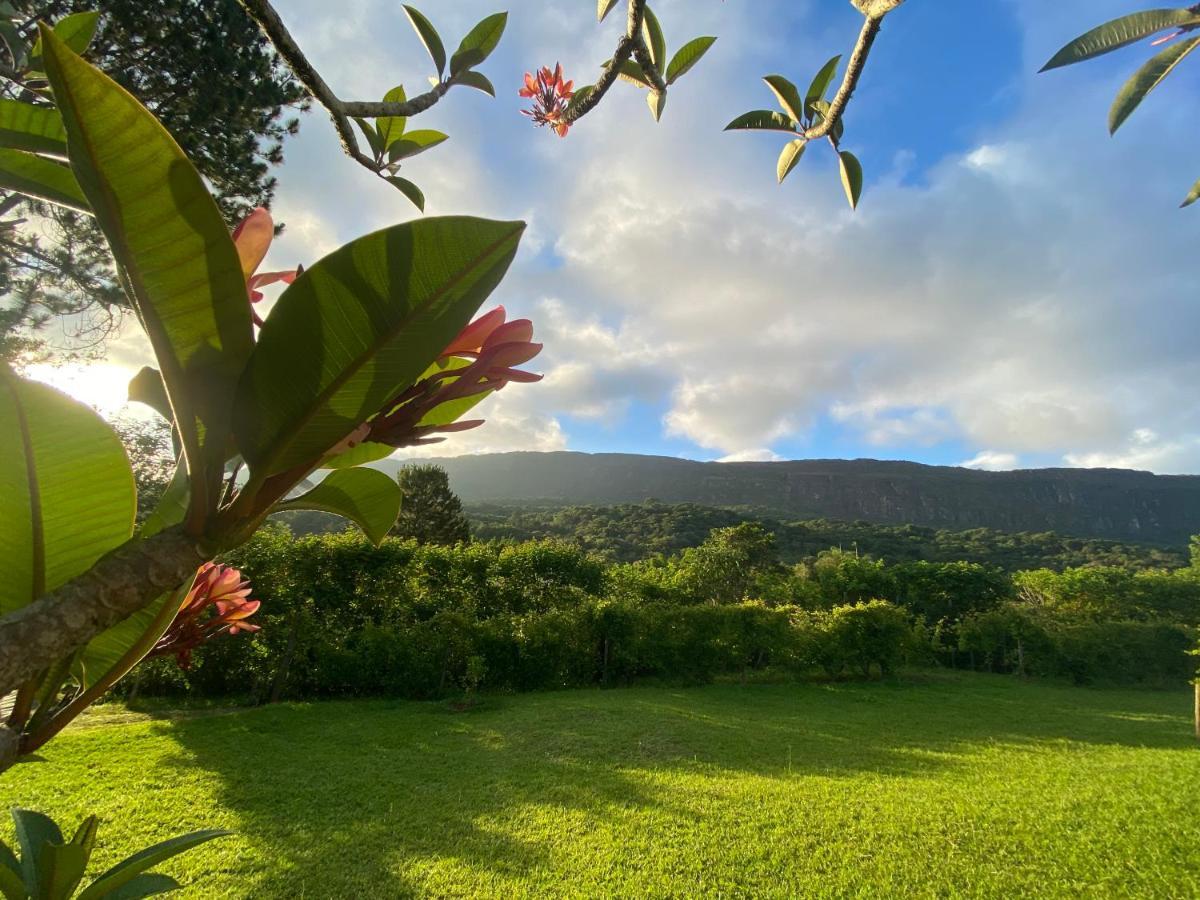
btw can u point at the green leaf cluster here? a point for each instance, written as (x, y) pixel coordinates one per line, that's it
(800, 113)
(52, 868)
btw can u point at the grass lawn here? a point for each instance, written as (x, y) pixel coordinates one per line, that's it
(940, 786)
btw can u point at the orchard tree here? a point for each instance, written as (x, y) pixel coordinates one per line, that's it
(430, 513)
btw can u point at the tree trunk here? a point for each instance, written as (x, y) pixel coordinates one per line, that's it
(286, 663)
(35, 637)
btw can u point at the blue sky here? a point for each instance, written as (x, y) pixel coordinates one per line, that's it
(1015, 290)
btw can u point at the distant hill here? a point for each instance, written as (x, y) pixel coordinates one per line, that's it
(1115, 504)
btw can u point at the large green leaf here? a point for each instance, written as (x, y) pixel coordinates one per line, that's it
(12, 885)
(45, 179)
(61, 866)
(1192, 196)
(657, 101)
(477, 80)
(364, 453)
(392, 127)
(1146, 79)
(170, 242)
(852, 176)
(429, 37)
(75, 30)
(367, 497)
(67, 494)
(1120, 33)
(408, 189)
(125, 871)
(413, 142)
(604, 7)
(821, 82)
(358, 327)
(687, 56)
(787, 94)
(479, 43)
(763, 120)
(38, 129)
(652, 34)
(35, 833)
(628, 70)
(789, 156)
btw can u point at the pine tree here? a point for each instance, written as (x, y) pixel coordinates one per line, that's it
(204, 69)
(430, 512)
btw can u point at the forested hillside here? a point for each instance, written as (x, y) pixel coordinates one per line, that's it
(1115, 504)
(635, 531)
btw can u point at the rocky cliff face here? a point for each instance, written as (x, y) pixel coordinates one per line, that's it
(1105, 503)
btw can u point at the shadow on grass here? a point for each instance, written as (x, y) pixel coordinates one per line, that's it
(355, 794)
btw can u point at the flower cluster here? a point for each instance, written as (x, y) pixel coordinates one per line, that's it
(225, 590)
(483, 358)
(253, 237)
(551, 96)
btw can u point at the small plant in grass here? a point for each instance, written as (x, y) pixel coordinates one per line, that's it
(52, 868)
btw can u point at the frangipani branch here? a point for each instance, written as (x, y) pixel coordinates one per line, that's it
(873, 13)
(341, 111)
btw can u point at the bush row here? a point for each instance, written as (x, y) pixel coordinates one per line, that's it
(341, 617)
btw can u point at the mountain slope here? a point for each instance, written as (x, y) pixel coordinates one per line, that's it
(1108, 503)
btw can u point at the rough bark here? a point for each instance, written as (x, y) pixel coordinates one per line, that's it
(10, 743)
(36, 636)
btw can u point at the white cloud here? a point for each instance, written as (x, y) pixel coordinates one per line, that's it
(761, 454)
(991, 461)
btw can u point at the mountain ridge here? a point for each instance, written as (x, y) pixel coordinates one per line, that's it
(1123, 504)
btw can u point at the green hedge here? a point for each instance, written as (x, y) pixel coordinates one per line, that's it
(342, 618)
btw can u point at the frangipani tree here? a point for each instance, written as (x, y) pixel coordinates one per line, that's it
(367, 350)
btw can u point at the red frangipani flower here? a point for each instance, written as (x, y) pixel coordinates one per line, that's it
(228, 593)
(483, 358)
(551, 96)
(253, 237)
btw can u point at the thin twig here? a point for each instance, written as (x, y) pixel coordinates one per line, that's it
(873, 12)
(641, 53)
(608, 76)
(341, 111)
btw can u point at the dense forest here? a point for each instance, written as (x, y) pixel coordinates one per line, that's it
(634, 531)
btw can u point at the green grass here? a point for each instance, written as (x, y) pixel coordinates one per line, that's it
(946, 786)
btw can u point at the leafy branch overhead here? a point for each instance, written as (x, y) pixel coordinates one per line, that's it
(387, 141)
(1126, 30)
(803, 116)
(640, 58)
(817, 115)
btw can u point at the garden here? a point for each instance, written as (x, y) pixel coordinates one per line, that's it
(196, 699)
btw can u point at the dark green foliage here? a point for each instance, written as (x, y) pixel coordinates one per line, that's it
(207, 73)
(340, 617)
(204, 69)
(148, 444)
(430, 513)
(635, 531)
